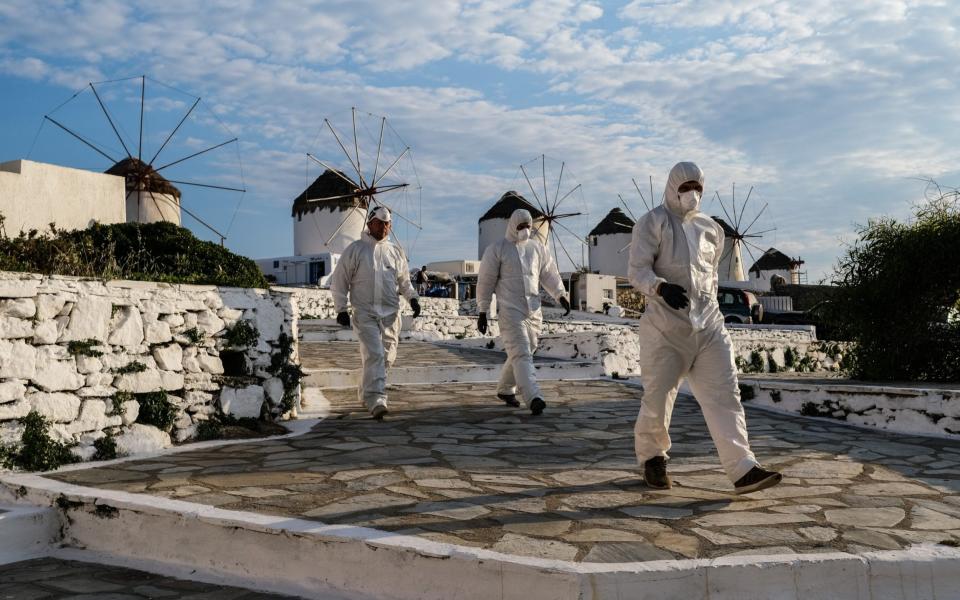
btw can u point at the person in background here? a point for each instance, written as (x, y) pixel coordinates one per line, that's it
(422, 280)
(372, 275)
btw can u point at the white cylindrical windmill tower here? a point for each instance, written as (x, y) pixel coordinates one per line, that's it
(329, 225)
(493, 223)
(150, 197)
(608, 242)
(731, 260)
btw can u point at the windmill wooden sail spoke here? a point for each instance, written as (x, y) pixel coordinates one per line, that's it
(149, 197)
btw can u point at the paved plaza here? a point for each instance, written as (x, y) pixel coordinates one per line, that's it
(54, 579)
(453, 464)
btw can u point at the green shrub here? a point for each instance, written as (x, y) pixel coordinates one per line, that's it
(756, 364)
(290, 373)
(134, 366)
(898, 294)
(790, 357)
(106, 448)
(117, 400)
(211, 429)
(241, 335)
(747, 392)
(194, 335)
(84, 348)
(142, 251)
(156, 410)
(37, 451)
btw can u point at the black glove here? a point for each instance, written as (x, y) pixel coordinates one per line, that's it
(415, 305)
(674, 295)
(566, 305)
(343, 318)
(482, 323)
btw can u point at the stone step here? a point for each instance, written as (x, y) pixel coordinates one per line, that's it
(310, 559)
(26, 532)
(546, 371)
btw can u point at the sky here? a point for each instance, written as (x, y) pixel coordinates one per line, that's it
(832, 112)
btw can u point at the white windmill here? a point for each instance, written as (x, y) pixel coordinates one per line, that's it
(737, 237)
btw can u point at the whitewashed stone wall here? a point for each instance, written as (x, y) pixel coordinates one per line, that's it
(911, 410)
(150, 326)
(315, 303)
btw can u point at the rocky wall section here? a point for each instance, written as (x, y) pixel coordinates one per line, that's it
(316, 303)
(145, 363)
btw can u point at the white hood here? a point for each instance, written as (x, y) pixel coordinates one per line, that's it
(680, 173)
(520, 215)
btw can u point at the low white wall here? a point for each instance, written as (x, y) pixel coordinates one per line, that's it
(150, 337)
(33, 195)
(315, 303)
(911, 410)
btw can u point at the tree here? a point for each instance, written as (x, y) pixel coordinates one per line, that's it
(898, 292)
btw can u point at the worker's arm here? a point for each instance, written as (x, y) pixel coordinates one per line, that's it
(550, 275)
(340, 280)
(404, 286)
(487, 277)
(644, 247)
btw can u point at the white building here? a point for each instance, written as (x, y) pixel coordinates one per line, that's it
(33, 195)
(312, 269)
(609, 254)
(456, 268)
(590, 291)
(150, 198)
(771, 264)
(493, 223)
(327, 225)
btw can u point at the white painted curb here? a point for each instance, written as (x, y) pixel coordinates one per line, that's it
(27, 532)
(314, 560)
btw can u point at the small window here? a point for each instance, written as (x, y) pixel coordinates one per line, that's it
(469, 268)
(276, 264)
(595, 238)
(608, 294)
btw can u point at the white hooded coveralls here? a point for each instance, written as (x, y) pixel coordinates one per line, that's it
(671, 246)
(374, 274)
(514, 270)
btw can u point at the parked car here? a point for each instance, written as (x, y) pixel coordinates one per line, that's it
(816, 315)
(739, 306)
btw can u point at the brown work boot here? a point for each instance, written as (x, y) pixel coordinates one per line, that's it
(757, 479)
(655, 473)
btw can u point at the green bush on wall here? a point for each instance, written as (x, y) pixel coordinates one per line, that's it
(37, 451)
(141, 251)
(898, 296)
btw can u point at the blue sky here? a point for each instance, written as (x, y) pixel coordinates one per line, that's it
(829, 110)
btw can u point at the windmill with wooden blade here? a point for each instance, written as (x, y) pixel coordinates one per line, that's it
(553, 185)
(738, 236)
(365, 163)
(168, 145)
(648, 205)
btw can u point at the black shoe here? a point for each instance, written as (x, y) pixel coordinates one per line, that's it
(757, 479)
(510, 399)
(536, 406)
(655, 473)
(379, 411)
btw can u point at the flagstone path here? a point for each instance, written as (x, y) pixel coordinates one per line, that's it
(346, 355)
(51, 578)
(451, 463)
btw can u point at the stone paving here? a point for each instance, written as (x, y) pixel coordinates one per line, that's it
(453, 464)
(50, 578)
(346, 355)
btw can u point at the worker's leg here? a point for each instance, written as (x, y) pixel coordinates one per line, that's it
(373, 382)
(662, 366)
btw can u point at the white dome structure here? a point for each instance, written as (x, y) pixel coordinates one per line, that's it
(608, 243)
(327, 225)
(493, 223)
(149, 196)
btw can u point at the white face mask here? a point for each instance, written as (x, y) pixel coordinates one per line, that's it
(523, 234)
(689, 200)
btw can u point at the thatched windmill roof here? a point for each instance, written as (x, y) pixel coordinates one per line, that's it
(727, 229)
(327, 185)
(616, 221)
(508, 203)
(139, 176)
(774, 260)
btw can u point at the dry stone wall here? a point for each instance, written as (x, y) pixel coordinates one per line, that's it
(315, 303)
(89, 355)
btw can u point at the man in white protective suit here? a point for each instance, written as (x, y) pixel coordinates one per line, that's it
(514, 268)
(373, 272)
(674, 256)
